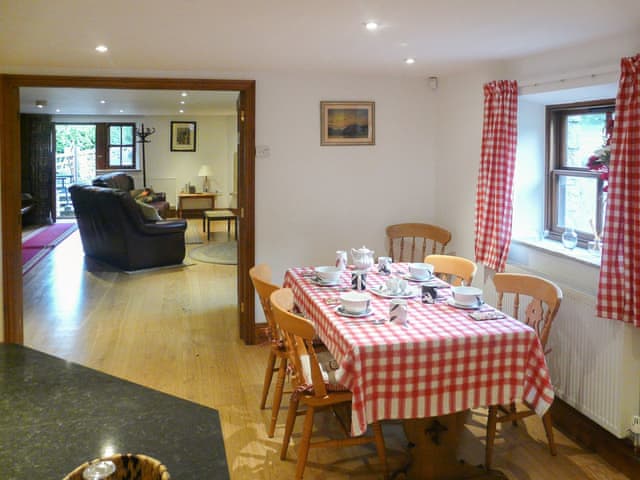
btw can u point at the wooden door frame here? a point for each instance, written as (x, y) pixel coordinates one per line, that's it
(10, 183)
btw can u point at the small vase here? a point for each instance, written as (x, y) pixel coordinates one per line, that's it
(570, 239)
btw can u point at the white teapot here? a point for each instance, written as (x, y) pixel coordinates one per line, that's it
(362, 258)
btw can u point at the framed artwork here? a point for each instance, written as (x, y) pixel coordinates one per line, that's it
(347, 123)
(183, 136)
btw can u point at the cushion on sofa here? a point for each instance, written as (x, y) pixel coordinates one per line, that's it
(149, 212)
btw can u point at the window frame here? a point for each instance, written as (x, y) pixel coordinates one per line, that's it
(108, 145)
(555, 142)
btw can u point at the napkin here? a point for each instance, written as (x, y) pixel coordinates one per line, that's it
(491, 315)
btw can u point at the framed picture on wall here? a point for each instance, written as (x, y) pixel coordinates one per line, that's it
(183, 136)
(347, 123)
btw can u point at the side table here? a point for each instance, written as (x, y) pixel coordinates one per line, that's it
(194, 204)
(213, 215)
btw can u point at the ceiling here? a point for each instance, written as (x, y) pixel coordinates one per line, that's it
(87, 101)
(216, 37)
(223, 39)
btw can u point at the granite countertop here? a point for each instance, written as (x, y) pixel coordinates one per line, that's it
(55, 415)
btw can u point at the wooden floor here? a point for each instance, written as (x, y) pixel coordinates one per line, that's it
(177, 331)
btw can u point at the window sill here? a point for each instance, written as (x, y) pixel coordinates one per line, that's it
(552, 247)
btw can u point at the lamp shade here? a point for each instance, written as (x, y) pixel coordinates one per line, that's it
(205, 171)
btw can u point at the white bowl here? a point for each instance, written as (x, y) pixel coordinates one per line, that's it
(355, 302)
(467, 296)
(328, 274)
(420, 271)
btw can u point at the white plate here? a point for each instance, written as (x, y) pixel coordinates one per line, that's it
(320, 283)
(455, 304)
(344, 313)
(383, 292)
(411, 278)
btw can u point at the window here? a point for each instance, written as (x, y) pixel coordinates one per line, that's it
(115, 146)
(575, 196)
(121, 147)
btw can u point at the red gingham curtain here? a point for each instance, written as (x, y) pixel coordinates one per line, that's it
(619, 291)
(494, 199)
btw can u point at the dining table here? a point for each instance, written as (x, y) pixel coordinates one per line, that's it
(429, 371)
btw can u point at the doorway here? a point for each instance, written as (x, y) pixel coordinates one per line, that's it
(75, 147)
(10, 178)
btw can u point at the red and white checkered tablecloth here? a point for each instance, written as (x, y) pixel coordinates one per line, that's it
(442, 362)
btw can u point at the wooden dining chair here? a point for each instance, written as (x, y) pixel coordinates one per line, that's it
(410, 242)
(261, 278)
(311, 389)
(545, 297)
(455, 270)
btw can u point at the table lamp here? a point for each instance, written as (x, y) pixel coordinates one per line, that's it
(205, 171)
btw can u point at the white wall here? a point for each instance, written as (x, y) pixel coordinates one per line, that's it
(312, 200)
(216, 138)
(460, 101)
(458, 148)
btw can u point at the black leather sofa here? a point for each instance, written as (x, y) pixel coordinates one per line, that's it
(113, 230)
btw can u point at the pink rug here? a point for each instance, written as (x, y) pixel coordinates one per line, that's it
(37, 244)
(48, 236)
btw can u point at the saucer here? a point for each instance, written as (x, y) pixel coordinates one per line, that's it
(344, 313)
(320, 283)
(455, 304)
(411, 278)
(382, 291)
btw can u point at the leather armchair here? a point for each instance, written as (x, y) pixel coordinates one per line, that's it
(113, 230)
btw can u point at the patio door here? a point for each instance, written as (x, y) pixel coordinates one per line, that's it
(75, 147)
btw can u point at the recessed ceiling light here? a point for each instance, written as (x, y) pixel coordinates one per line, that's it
(103, 101)
(57, 110)
(181, 102)
(371, 26)
(409, 61)
(184, 94)
(102, 48)
(181, 111)
(121, 111)
(41, 103)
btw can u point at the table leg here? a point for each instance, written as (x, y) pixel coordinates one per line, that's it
(434, 443)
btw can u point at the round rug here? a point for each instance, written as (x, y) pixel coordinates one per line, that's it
(225, 253)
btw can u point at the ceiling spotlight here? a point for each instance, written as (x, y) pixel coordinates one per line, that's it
(41, 103)
(57, 110)
(371, 26)
(101, 48)
(410, 61)
(184, 94)
(181, 111)
(181, 102)
(121, 111)
(103, 101)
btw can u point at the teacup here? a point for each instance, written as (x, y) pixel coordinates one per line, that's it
(355, 302)
(327, 274)
(396, 285)
(467, 296)
(420, 271)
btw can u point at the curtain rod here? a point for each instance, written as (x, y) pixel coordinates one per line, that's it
(568, 78)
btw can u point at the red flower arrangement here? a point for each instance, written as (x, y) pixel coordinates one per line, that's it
(599, 161)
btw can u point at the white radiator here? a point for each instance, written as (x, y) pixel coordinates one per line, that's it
(594, 363)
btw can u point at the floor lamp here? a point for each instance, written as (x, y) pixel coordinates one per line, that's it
(142, 134)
